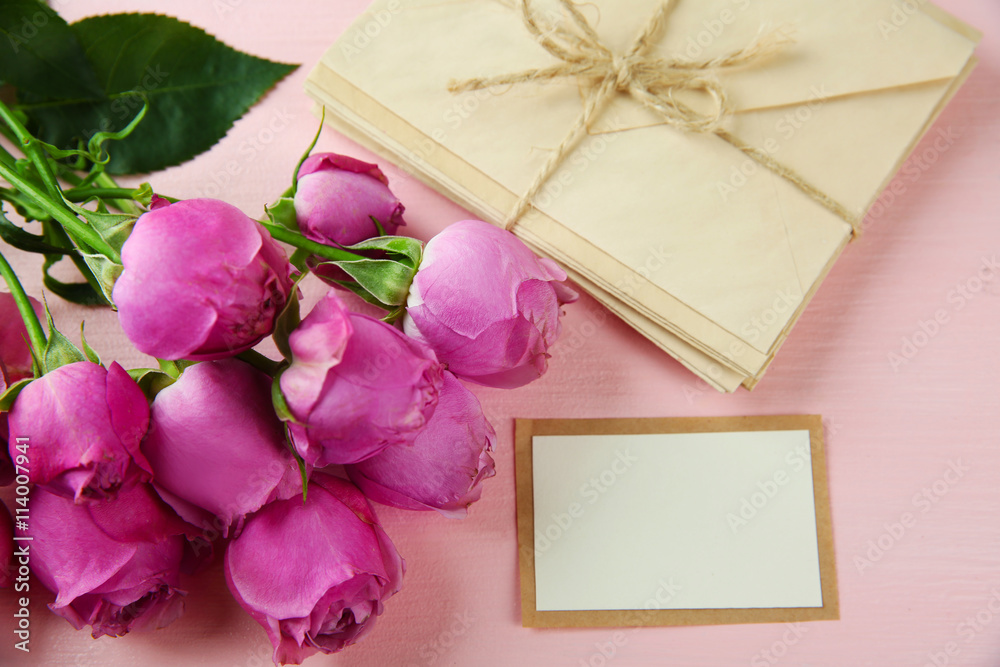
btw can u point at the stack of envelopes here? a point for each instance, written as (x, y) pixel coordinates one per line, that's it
(707, 252)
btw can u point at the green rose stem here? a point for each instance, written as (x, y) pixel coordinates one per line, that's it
(35, 333)
(286, 235)
(51, 203)
(6, 157)
(77, 195)
(57, 233)
(125, 204)
(260, 362)
(60, 214)
(60, 238)
(32, 149)
(273, 368)
(171, 367)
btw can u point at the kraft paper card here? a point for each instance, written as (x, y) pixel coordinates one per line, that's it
(710, 243)
(641, 522)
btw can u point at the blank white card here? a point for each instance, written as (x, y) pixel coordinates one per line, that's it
(708, 520)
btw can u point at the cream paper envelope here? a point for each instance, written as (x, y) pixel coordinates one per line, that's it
(842, 106)
(714, 372)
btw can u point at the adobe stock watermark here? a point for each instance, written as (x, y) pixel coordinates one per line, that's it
(773, 654)
(126, 105)
(576, 335)
(957, 298)
(21, 556)
(912, 171)
(28, 30)
(923, 501)
(605, 652)
(754, 503)
(466, 105)
(421, 149)
(437, 648)
(713, 29)
(579, 161)
(247, 151)
(902, 12)
(966, 631)
(589, 493)
(655, 261)
(785, 302)
(255, 657)
(362, 34)
(699, 386)
(29, 26)
(224, 7)
(786, 126)
(464, 108)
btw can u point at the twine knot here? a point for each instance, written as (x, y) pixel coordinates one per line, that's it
(651, 81)
(622, 68)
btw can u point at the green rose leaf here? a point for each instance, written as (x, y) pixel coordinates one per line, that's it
(385, 279)
(288, 320)
(10, 394)
(40, 54)
(403, 249)
(282, 212)
(84, 294)
(195, 85)
(59, 350)
(88, 351)
(151, 380)
(22, 240)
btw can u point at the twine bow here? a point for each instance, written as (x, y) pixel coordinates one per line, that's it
(651, 81)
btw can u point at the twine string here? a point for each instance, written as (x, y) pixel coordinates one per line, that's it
(651, 81)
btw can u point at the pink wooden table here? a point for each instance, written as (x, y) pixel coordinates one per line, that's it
(908, 402)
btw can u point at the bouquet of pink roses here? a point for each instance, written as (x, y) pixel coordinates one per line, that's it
(127, 479)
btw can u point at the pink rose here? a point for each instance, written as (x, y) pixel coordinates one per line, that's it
(337, 197)
(355, 385)
(216, 448)
(15, 364)
(15, 353)
(314, 574)
(201, 281)
(444, 467)
(83, 425)
(486, 304)
(113, 564)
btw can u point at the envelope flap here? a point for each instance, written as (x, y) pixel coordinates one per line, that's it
(839, 49)
(847, 47)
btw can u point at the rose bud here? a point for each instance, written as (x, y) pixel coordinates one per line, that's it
(15, 364)
(486, 304)
(15, 353)
(444, 467)
(201, 281)
(113, 565)
(6, 548)
(337, 196)
(314, 574)
(355, 385)
(83, 425)
(216, 448)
